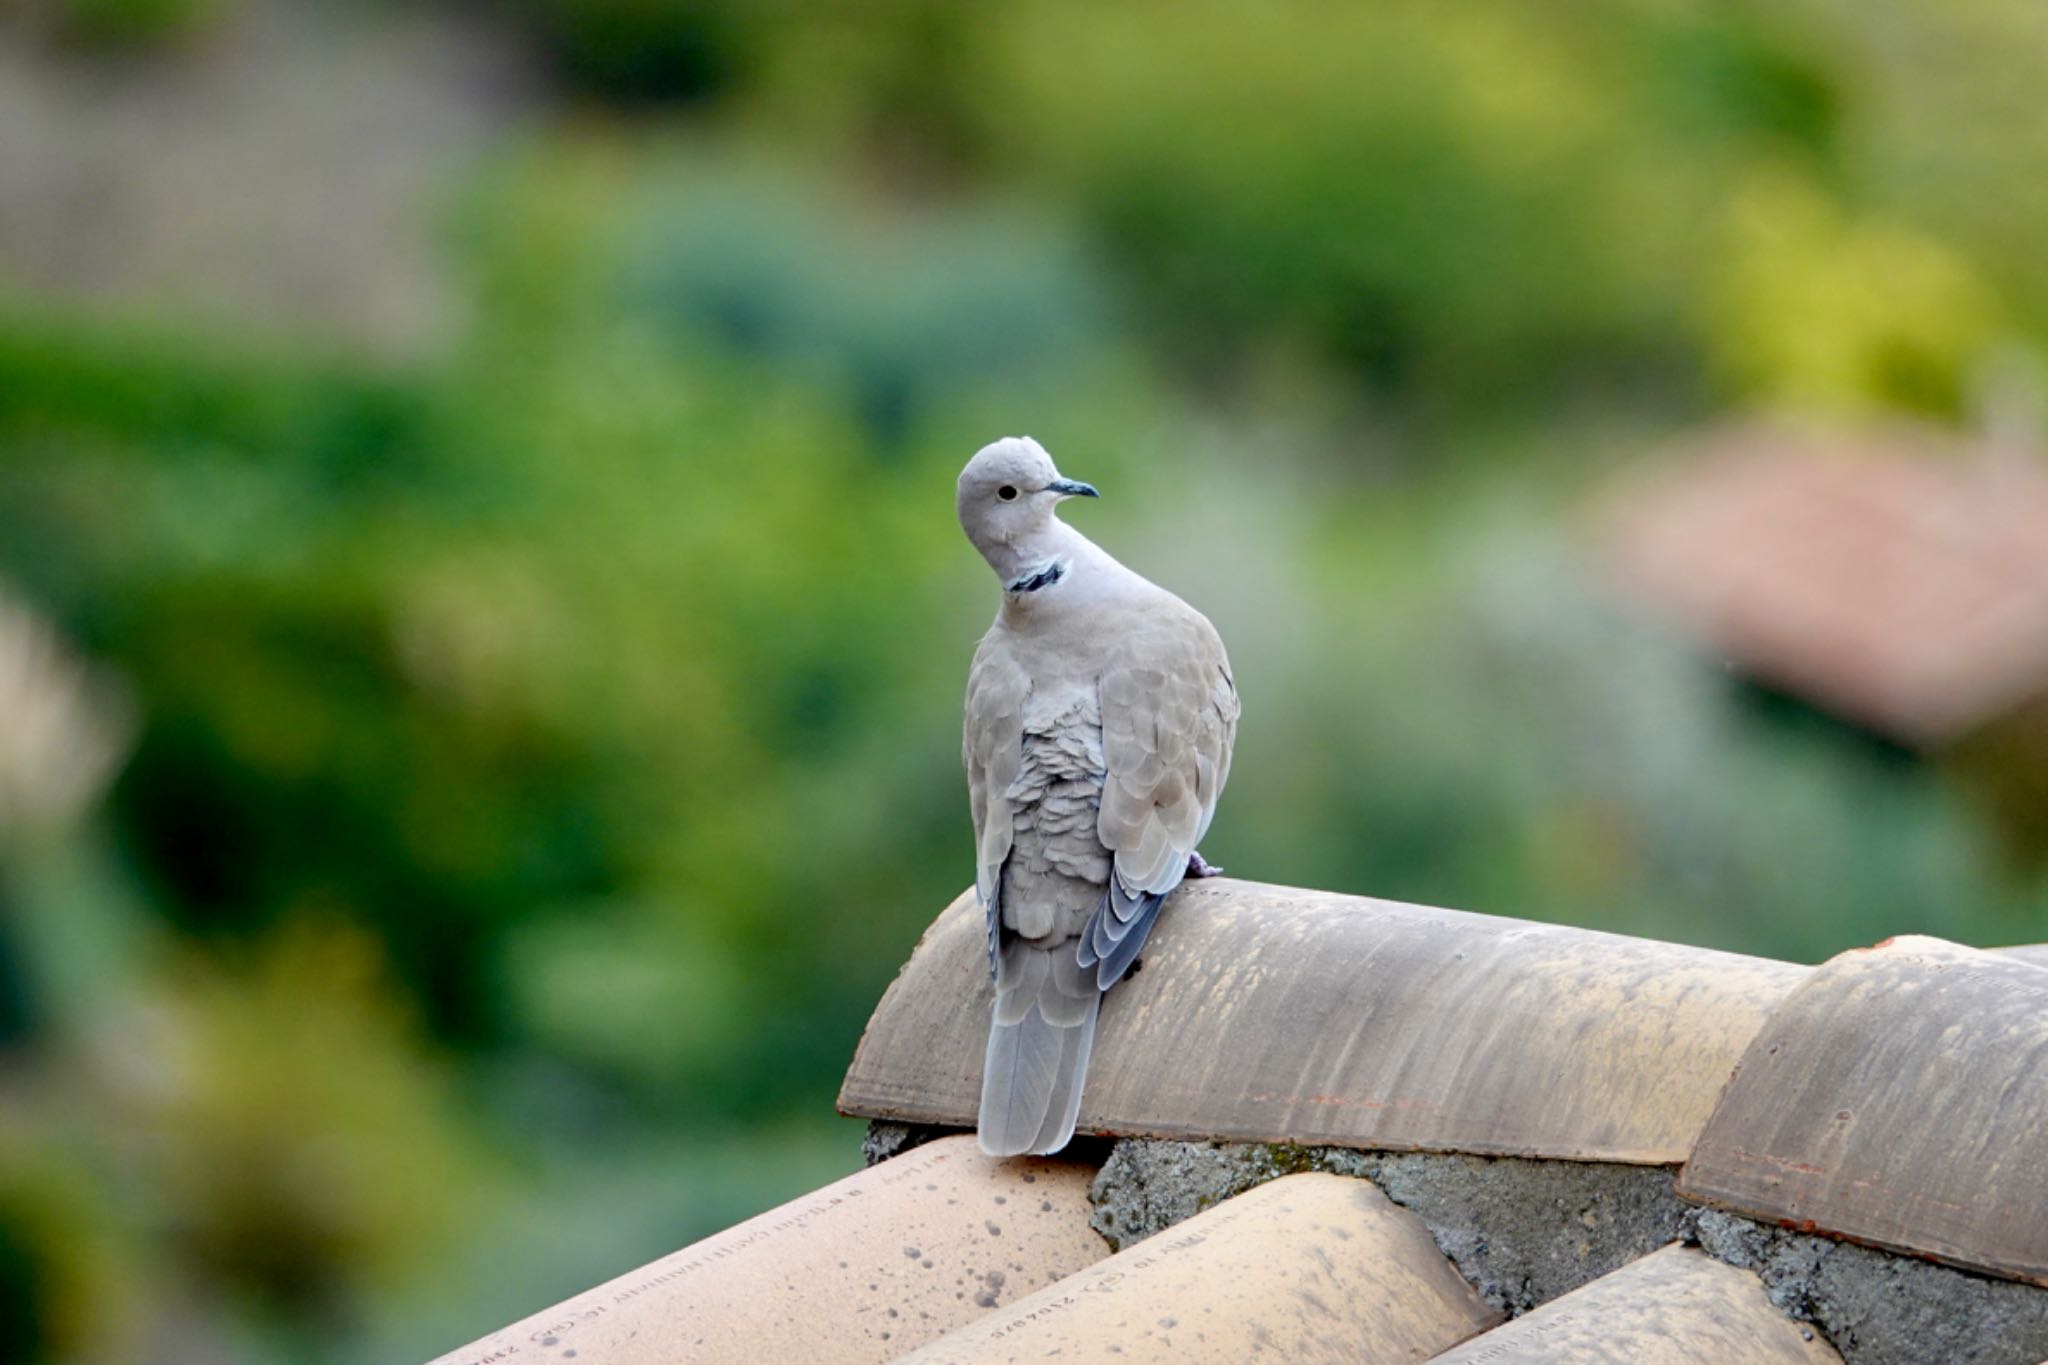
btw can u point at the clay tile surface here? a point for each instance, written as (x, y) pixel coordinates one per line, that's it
(1898, 578)
(1672, 1307)
(1306, 1268)
(861, 1270)
(1270, 1013)
(1898, 1097)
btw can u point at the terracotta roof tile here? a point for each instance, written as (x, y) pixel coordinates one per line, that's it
(861, 1270)
(1280, 1014)
(1306, 1268)
(1672, 1307)
(1899, 578)
(1895, 1096)
(1898, 1097)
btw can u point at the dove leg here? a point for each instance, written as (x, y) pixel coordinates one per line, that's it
(1198, 866)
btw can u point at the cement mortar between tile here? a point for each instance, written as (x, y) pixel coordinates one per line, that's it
(885, 1139)
(1882, 1309)
(1525, 1231)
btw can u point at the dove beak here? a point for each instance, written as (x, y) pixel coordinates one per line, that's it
(1072, 488)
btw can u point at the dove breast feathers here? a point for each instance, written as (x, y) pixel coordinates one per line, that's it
(1133, 715)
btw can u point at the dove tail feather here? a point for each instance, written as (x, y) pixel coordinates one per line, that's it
(1035, 1067)
(1063, 1109)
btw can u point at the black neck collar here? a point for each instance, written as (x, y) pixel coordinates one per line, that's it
(1044, 578)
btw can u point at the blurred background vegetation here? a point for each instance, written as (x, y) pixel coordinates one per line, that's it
(482, 625)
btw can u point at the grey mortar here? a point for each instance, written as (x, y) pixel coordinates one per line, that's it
(1881, 1309)
(885, 1139)
(1525, 1231)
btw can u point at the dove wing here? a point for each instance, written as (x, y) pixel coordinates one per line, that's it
(1169, 717)
(992, 747)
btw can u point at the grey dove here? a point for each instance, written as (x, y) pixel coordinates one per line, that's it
(1100, 716)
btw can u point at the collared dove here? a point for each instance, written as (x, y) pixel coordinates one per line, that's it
(1100, 714)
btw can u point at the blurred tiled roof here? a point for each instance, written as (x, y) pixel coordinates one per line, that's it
(1860, 1154)
(1898, 578)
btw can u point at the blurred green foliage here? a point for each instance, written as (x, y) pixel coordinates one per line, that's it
(296, 1140)
(547, 751)
(639, 51)
(65, 1268)
(1500, 207)
(123, 25)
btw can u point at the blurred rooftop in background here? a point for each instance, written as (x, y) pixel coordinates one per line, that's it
(1899, 577)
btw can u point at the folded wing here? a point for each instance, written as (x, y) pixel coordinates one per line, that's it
(992, 747)
(1169, 717)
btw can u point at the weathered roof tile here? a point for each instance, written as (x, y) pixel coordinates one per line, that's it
(1898, 1097)
(1672, 1307)
(862, 1270)
(1307, 1268)
(1270, 1013)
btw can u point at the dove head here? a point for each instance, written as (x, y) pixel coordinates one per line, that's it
(1005, 501)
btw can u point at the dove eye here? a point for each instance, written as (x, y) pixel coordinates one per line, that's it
(1007, 493)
